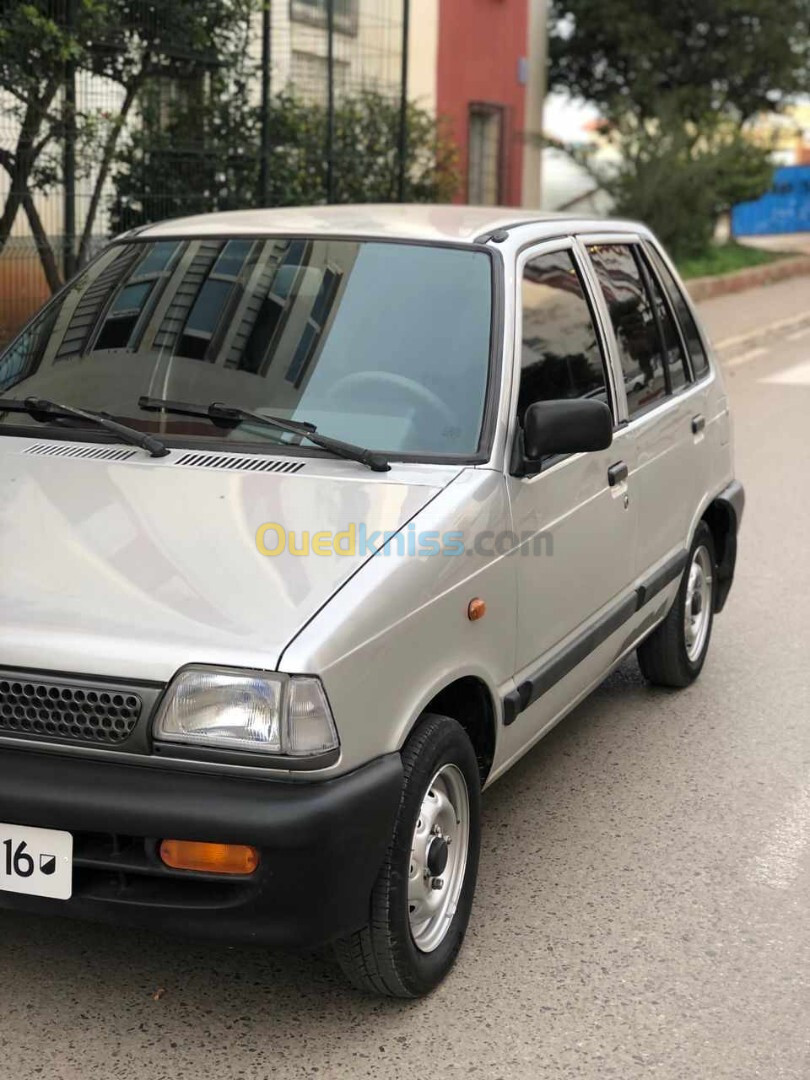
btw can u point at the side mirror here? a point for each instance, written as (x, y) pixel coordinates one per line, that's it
(573, 426)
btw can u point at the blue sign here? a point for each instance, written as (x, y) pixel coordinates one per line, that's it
(783, 209)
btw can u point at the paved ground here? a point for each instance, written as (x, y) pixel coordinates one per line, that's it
(643, 906)
(733, 318)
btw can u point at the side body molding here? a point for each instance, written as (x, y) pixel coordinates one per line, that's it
(548, 673)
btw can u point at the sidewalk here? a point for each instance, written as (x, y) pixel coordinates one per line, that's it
(795, 243)
(727, 317)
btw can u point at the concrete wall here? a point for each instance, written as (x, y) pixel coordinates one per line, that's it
(423, 53)
(783, 209)
(483, 60)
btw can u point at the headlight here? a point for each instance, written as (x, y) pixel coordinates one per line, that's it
(247, 710)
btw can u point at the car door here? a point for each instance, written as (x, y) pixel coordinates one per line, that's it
(709, 411)
(669, 476)
(575, 519)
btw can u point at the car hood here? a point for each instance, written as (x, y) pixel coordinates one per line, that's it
(135, 567)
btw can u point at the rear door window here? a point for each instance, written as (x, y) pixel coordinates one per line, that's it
(673, 348)
(634, 323)
(700, 362)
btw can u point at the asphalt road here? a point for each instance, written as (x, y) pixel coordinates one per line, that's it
(643, 904)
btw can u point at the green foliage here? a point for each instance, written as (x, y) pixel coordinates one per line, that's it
(675, 83)
(35, 44)
(726, 258)
(190, 153)
(34, 48)
(176, 38)
(679, 179)
(367, 153)
(185, 137)
(127, 41)
(709, 56)
(205, 156)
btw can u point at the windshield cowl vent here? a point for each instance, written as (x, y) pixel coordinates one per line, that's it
(243, 464)
(90, 453)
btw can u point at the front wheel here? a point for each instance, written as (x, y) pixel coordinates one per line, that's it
(674, 653)
(421, 902)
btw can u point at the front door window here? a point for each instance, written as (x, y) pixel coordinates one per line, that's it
(560, 352)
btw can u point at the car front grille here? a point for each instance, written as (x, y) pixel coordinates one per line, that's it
(76, 711)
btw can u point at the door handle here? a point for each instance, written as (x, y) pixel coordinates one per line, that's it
(617, 473)
(698, 424)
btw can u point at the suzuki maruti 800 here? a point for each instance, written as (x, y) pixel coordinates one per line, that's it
(312, 522)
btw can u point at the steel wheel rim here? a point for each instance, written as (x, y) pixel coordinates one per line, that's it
(697, 612)
(442, 830)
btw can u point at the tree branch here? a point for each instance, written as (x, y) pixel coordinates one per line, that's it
(25, 157)
(44, 249)
(106, 162)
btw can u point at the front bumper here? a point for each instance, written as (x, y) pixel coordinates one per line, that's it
(321, 844)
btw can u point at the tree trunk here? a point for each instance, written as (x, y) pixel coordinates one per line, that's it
(106, 164)
(9, 214)
(44, 249)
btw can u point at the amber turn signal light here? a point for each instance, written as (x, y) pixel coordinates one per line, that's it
(476, 609)
(209, 858)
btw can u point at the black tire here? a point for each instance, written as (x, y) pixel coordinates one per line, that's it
(663, 656)
(382, 958)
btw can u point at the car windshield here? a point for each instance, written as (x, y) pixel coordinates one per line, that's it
(382, 344)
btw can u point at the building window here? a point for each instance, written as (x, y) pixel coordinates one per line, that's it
(22, 360)
(275, 309)
(309, 77)
(315, 11)
(485, 158)
(316, 323)
(138, 295)
(217, 295)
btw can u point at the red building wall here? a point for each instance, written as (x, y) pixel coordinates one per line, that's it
(481, 45)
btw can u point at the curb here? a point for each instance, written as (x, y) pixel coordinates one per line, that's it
(705, 288)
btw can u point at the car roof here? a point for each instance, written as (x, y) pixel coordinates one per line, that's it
(389, 221)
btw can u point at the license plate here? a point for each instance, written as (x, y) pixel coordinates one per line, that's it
(37, 862)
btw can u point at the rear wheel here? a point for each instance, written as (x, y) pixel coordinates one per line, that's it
(674, 654)
(421, 902)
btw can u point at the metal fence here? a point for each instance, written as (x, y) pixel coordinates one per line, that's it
(121, 112)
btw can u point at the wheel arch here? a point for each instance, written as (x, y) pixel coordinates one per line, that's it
(469, 700)
(723, 516)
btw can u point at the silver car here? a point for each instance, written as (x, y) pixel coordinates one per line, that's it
(312, 522)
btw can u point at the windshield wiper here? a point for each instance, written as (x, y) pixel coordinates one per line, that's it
(43, 410)
(232, 416)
